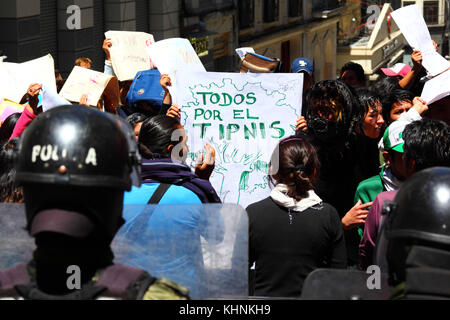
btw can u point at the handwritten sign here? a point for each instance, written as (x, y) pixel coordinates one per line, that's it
(412, 24)
(128, 53)
(17, 77)
(85, 81)
(243, 116)
(173, 55)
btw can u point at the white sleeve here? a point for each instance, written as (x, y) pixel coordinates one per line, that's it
(410, 116)
(109, 68)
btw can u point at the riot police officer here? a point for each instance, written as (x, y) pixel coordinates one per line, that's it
(418, 236)
(74, 164)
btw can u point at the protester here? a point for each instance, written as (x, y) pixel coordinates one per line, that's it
(7, 127)
(9, 192)
(304, 66)
(396, 103)
(135, 120)
(426, 144)
(84, 62)
(168, 181)
(161, 142)
(329, 117)
(293, 231)
(74, 209)
(352, 74)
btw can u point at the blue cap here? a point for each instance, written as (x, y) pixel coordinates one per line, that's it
(302, 64)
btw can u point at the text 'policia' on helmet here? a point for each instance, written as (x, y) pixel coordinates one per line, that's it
(79, 146)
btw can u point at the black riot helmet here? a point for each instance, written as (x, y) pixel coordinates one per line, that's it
(419, 215)
(79, 161)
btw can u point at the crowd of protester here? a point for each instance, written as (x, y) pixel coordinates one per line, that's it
(354, 147)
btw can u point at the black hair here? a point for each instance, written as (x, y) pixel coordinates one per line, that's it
(9, 191)
(427, 141)
(385, 85)
(366, 100)
(294, 162)
(394, 96)
(357, 68)
(7, 127)
(135, 118)
(156, 135)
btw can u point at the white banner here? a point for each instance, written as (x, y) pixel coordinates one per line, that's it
(243, 116)
(412, 24)
(17, 77)
(129, 53)
(85, 81)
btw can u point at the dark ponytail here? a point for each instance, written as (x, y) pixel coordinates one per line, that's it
(294, 163)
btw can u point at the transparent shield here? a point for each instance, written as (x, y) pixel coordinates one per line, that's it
(16, 246)
(202, 247)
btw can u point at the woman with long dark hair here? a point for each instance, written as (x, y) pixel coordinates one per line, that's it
(292, 232)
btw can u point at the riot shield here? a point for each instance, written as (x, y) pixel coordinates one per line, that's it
(16, 246)
(202, 247)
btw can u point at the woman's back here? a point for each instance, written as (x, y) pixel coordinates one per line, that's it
(287, 245)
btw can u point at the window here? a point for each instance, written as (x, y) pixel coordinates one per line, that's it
(295, 8)
(408, 3)
(431, 11)
(246, 13)
(271, 10)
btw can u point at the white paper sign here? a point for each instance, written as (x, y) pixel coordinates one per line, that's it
(85, 81)
(17, 77)
(51, 99)
(129, 53)
(243, 51)
(243, 116)
(436, 88)
(412, 24)
(173, 55)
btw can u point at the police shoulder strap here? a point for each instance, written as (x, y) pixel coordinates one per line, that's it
(159, 193)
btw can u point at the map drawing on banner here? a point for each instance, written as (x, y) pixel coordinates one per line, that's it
(243, 116)
(412, 24)
(129, 53)
(175, 54)
(85, 81)
(17, 77)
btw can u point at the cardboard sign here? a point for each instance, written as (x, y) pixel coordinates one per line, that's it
(129, 53)
(15, 78)
(86, 81)
(243, 116)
